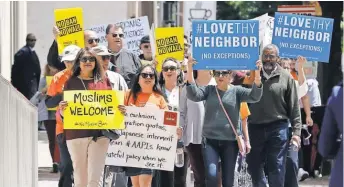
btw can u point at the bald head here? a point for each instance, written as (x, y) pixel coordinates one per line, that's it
(91, 38)
(31, 40)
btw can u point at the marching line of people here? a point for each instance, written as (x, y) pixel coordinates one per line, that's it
(255, 117)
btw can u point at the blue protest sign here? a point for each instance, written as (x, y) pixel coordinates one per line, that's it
(307, 36)
(225, 44)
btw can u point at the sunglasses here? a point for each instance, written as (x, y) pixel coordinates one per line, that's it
(146, 46)
(119, 35)
(147, 75)
(171, 68)
(88, 58)
(269, 56)
(106, 57)
(90, 41)
(219, 73)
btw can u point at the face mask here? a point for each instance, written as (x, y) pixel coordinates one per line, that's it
(269, 66)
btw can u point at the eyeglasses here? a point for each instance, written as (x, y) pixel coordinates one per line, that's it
(90, 41)
(171, 68)
(269, 57)
(88, 58)
(106, 57)
(146, 46)
(147, 75)
(120, 35)
(221, 73)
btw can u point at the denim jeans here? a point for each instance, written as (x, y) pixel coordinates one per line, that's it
(213, 150)
(269, 148)
(292, 166)
(66, 165)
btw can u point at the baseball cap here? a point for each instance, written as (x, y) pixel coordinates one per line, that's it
(144, 40)
(69, 53)
(101, 50)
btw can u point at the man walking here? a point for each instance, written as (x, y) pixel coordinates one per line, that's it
(26, 70)
(269, 120)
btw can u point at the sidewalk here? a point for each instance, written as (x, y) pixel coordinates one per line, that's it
(45, 178)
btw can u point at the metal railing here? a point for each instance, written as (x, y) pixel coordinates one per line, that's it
(18, 138)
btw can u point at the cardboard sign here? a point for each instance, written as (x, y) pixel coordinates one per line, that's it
(169, 42)
(225, 44)
(148, 141)
(307, 36)
(71, 25)
(93, 109)
(134, 29)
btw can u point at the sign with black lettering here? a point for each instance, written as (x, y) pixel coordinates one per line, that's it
(148, 141)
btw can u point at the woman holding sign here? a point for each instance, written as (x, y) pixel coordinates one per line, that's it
(171, 82)
(87, 147)
(221, 122)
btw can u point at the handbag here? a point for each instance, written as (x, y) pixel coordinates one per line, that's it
(239, 138)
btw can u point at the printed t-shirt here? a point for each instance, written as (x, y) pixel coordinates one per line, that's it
(146, 99)
(56, 87)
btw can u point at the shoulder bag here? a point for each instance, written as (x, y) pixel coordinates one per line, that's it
(239, 138)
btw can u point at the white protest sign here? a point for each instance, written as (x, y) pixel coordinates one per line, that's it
(263, 19)
(149, 140)
(266, 27)
(134, 30)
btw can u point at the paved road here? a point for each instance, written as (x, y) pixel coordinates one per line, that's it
(47, 179)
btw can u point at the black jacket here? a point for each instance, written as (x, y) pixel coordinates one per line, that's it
(26, 69)
(53, 57)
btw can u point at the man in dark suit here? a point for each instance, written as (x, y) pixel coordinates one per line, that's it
(26, 70)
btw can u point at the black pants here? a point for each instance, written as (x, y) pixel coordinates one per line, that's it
(50, 126)
(197, 165)
(66, 165)
(176, 178)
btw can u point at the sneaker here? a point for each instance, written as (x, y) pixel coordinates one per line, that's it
(302, 175)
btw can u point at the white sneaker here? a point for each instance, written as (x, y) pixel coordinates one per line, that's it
(302, 175)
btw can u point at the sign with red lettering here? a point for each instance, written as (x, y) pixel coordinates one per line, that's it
(306, 10)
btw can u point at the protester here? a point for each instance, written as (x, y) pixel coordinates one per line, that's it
(124, 61)
(171, 82)
(269, 122)
(146, 49)
(54, 96)
(144, 92)
(219, 139)
(191, 120)
(49, 118)
(331, 130)
(91, 40)
(26, 69)
(117, 83)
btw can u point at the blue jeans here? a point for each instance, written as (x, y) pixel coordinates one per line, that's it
(269, 147)
(213, 150)
(292, 166)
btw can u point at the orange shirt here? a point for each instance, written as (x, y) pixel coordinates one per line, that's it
(294, 75)
(244, 110)
(56, 87)
(144, 99)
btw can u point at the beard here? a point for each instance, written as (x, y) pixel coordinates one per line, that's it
(269, 66)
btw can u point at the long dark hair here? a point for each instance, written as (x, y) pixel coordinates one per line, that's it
(98, 72)
(136, 88)
(180, 78)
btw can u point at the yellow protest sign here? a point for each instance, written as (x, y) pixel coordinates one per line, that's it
(48, 80)
(169, 42)
(71, 26)
(93, 109)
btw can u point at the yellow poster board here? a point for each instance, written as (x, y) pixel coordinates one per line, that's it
(48, 80)
(71, 25)
(169, 42)
(93, 109)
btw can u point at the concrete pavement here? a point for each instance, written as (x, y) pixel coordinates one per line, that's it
(47, 179)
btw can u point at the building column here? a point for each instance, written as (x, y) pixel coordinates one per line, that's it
(5, 39)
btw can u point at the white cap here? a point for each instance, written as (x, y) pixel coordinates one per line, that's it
(69, 53)
(101, 50)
